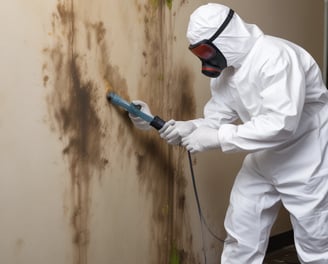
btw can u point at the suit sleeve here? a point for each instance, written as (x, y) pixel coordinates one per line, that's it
(282, 98)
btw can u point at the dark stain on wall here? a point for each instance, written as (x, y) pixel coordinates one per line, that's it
(184, 108)
(74, 112)
(168, 88)
(155, 166)
(98, 30)
(72, 104)
(19, 246)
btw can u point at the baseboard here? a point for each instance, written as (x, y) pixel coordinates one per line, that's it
(280, 241)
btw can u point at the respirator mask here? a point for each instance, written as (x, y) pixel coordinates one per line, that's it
(213, 61)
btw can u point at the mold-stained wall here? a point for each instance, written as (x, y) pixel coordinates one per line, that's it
(78, 183)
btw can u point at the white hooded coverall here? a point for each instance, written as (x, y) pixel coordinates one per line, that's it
(275, 88)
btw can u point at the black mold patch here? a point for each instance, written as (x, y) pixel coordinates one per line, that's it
(155, 167)
(74, 115)
(72, 104)
(78, 118)
(169, 91)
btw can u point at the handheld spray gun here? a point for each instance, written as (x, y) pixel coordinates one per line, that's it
(134, 109)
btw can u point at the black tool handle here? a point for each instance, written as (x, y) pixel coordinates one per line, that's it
(157, 122)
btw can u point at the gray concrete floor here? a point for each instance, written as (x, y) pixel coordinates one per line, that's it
(284, 256)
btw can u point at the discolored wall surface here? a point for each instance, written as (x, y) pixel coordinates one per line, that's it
(99, 140)
(79, 184)
(88, 185)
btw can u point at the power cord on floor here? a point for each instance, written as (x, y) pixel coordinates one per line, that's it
(200, 213)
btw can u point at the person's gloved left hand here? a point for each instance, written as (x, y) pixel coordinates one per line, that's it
(203, 138)
(137, 121)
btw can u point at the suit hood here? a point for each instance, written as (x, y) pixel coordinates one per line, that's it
(236, 40)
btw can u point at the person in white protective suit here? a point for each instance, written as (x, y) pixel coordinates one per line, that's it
(275, 89)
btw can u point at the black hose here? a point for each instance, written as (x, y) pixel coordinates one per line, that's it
(200, 213)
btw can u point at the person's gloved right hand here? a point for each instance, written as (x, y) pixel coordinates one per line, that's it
(203, 138)
(137, 121)
(173, 130)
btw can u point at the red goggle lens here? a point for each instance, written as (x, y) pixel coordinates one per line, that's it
(203, 51)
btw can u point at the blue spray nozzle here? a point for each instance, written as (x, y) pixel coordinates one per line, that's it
(133, 109)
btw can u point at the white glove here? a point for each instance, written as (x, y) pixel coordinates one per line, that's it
(137, 121)
(203, 138)
(173, 130)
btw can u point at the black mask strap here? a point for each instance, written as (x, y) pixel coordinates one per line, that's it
(223, 26)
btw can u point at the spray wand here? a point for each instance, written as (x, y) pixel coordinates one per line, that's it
(154, 121)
